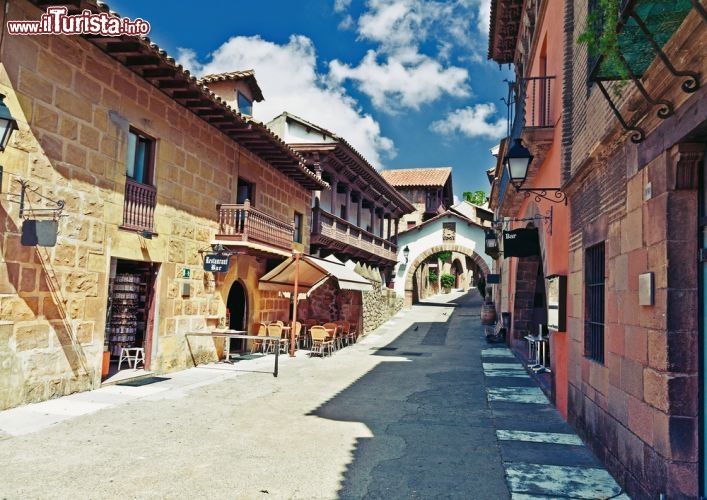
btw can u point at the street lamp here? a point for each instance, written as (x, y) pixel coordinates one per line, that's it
(7, 124)
(517, 161)
(406, 253)
(491, 244)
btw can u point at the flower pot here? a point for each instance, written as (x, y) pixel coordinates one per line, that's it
(488, 313)
(105, 367)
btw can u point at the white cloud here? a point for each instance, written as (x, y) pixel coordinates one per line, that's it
(341, 5)
(415, 42)
(402, 83)
(472, 121)
(288, 78)
(484, 16)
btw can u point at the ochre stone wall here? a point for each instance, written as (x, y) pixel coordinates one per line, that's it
(379, 305)
(74, 105)
(638, 409)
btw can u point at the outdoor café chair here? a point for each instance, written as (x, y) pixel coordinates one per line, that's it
(282, 343)
(353, 333)
(260, 330)
(334, 332)
(344, 330)
(321, 342)
(298, 334)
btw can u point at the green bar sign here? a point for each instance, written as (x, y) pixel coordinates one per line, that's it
(186, 273)
(216, 262)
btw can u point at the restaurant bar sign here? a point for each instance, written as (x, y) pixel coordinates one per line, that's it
(216, 262)
(521, 242)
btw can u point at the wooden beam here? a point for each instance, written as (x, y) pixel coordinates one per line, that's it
(173, 84)
(186, 94)
(158, 73)
(117, 46)
(142, 61)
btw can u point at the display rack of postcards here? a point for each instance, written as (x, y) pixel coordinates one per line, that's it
(125, 297)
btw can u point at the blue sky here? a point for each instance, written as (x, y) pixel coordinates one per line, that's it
(406, 82)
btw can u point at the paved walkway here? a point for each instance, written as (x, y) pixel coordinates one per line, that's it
(420, 408)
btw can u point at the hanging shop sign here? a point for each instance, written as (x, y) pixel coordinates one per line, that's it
(216, 262)
(41, 233)
(521, 242)
(493, 279)
(491, 244)
(557, 303)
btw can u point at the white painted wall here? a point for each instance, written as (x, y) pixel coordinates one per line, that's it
(429, 235)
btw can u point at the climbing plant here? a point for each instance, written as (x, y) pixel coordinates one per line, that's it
(601, 37)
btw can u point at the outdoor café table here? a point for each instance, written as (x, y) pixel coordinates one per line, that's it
(228, 335)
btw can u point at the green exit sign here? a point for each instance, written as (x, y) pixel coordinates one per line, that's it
(186, 273)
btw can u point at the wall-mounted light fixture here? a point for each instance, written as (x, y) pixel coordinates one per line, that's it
(7, 124)
(517, 161)
(406, 253)
(491, 244)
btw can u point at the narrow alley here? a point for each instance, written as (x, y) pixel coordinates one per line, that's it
(422, 407)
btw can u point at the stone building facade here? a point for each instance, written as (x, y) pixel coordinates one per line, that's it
(81, 105)
(357, 220)
(637, 196)
(632, 166)
(429, 190)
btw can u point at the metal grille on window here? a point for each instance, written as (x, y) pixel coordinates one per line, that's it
(594, 305)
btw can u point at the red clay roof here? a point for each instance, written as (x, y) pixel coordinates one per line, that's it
(247, 75)
(150, 62)
(413, 177)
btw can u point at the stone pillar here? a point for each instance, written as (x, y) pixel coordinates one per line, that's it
(348, 202)
(358, 210)
(334, 195)
(318, 174)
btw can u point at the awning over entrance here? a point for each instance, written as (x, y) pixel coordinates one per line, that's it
(312, 271)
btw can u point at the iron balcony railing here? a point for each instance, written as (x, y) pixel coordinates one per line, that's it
(538, 103)
(533, 98)
(242, 222)
(334, 228)
(139, 206)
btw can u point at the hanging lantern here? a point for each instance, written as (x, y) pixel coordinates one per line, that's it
(7, 124)
(491, 246)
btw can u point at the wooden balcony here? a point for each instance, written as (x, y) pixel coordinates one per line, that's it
(244, 223)
(139, 206)
(333, 233)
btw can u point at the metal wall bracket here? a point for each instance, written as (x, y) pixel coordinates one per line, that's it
(637, 133)
(558, 196)
(693, 79)
(546, 219)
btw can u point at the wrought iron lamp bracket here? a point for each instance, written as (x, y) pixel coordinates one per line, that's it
(502, 224)
(558, 196)
(692, 83)
(637, 133)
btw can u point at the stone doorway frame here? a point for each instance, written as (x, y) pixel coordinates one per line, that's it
(450, 247)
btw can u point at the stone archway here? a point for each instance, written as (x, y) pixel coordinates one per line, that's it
(449, 247)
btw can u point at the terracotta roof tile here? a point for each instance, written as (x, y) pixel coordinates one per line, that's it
(247, 75)
(409, 177)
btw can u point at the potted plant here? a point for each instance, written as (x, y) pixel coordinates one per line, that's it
(447, 282)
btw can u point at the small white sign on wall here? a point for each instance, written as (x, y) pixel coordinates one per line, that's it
(645, 289)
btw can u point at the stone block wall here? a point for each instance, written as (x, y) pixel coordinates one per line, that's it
(638, 410)
(379, 305)
(74, 105)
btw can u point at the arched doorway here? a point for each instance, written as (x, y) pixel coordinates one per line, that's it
(411, 268)
(458, 271)
(237, 305)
